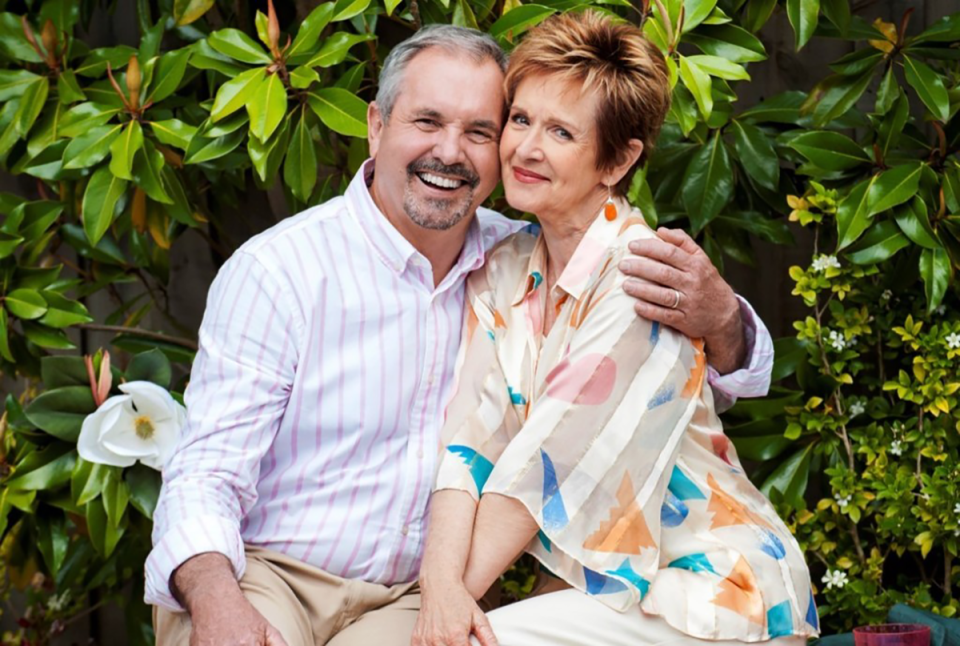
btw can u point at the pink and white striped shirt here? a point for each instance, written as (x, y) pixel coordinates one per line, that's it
(316, 400)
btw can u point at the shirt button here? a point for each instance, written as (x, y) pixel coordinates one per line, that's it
(404, 530)
(420, 454)
(430, 380)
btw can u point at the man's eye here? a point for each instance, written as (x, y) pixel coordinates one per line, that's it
(480, 136)
(427, 123)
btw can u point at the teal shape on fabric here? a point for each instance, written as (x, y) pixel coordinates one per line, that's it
(517, 398)
(673, 512)
(779, 621)
(625, 571)
(655, 333)
(547, 545)
(537, 278)
(554, 513)
(493, 337)
(682, 487)
(480, 467)
(812, 617)
(601, 584)
(771, 545)
(664, 395)
(533, 229)
(694, 562)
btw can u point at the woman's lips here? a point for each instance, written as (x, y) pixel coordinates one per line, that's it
(526, 176)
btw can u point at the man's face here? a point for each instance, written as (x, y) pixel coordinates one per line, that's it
(437, 155)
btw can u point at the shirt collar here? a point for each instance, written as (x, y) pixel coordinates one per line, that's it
(394, 250)
(586, 257)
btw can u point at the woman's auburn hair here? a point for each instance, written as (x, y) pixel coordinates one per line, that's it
(613, 59)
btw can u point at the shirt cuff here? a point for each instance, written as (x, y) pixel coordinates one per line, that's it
(753, 378)
(193, 536)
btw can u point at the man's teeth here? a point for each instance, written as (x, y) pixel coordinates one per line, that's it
(441, 182)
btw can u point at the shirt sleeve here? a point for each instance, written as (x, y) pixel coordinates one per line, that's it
(753, 379)
(592, 461)
(239, 386)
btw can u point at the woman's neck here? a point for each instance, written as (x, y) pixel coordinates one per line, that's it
(562, 236)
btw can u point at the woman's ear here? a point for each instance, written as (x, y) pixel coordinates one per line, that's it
(630, 157)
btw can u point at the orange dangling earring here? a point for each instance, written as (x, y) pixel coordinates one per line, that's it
(610, 209)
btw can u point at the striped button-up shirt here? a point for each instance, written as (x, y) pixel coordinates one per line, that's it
(316, 400)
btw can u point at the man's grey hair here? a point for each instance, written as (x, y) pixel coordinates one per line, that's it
(455, 40)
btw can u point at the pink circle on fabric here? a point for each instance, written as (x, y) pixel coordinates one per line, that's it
(589, 381)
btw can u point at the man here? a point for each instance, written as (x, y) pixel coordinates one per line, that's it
(293, 511)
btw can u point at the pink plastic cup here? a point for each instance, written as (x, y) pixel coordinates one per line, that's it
(892, 635)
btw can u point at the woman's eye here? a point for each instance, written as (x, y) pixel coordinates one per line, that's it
(564, 134)
(519, 119)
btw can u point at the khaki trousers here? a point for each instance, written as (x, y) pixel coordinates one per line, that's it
(311, 607)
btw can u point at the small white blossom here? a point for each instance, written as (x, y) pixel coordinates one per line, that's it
(857, 408)
(825, 262)
(953, 341)
(956, 509)
(898, 427)
(835, 579)
(837, 341)
(59, 602)
(843, 501)
(896, 448)
(886, 295)
(941, 310)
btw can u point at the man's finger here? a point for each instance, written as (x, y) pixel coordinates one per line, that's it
(274, 638)
(664, 251)
(653, 271)
(671, 318)
(680, 238)
(663, 296)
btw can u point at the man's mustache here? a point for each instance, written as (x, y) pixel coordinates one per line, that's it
(436, 166)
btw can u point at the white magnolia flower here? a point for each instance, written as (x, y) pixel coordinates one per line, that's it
(835, 579)
(857, 408)
(896, 448)
(837, 341)
(824, 262)
(141, 425)
(953, 341)
(843, 501)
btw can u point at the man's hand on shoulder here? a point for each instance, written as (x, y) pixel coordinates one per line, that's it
(219, 612)
(676, 284)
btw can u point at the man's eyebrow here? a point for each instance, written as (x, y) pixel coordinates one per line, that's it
(427, 112)
(484, 124)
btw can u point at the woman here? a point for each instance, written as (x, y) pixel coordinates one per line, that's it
(579, 433)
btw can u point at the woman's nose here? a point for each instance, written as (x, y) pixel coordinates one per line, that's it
(529, 147)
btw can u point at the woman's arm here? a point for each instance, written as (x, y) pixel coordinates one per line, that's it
(502, 530)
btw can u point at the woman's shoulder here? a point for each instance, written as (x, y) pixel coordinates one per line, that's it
(633, 227)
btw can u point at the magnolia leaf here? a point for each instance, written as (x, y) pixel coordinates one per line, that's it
(62, 312)
(61, 411)
(123, 149)
(695, 12)
(341, 111)
(347, 9)
(300, 167)
(518, 20)
(25, 303)
(237, 45)
(167, 75)
(173, 132)
(310, 29)
(757, 154)
(187, 11)
(879, 243)
(803, 16)
(335, 49)
(936, 271)
(728, 41)
(236, 93)
(267, 107)
(929, 86)
(853, 214)
(708, 183)
(699, 84)
(31, 103)
(830, 151)
(894, 186)
(99, 203)
(79, 119)
(14, 83)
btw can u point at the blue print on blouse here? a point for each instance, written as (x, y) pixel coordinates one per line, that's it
(599, 584)
(626, 571)
(547, 545)
(533, 229)
(655, 333)
(480, 467)
(517, 398)
(695, 563)
(664, 395)
(682, 487)
(812, 617)
(772, 545)
(554, 513)
(779, 621)
(537, 278)
(493, 337)
(673, 512)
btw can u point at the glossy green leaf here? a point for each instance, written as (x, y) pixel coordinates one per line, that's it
(31, 103)
(837, 95)
(62, 312)
(187, 11)
(391, 6)
(913, 221)
(225, 126)
(173, 132)
(335, 49)
(91, 147)
(53, 539)
(79, 119)
(929, 86)
(699, 84)
(347, 9)
(936, 271)
(341, 111)
(167, 75)
(64, 14)
(303, 77)
(68, 88)
(103, 535)
(892, 126)
(757, 13)
(95, 63)
(237, 45)
(888, 92)
(25, 303)
(204, 57)
(695, 12)
(236, 93)
(719, 67)
(34, 218)
(519, 19)
(791, 477)
(116, 496)
(144, 484)
(829, 150)
(708, 183)
(124, 148)
(267, 107)
(61, 411)
(14, 83)
(945, 30)
(203, 149)
(310, 29)
(463, 15)
(263, 30)
(763, 227)
(837, 12)
(803, 16)
(46, 337)
(352, 79)
(13, 42)
(853, 214)
(100, 201)
(57, 371)
(762, 448)
(757, 154)
(879, 243)
(780, 108)
(728, 41)
(4, 336)
(87, 481)
(9, 244)
(152, 366)
(300, 167)
(894, 186)
(266, 156)
(44, 470)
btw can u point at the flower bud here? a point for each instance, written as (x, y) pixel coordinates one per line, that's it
(273, 28)
(133, 81)
(138, 212)
(48, 36)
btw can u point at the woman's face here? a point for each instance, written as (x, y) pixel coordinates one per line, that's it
(548, 151)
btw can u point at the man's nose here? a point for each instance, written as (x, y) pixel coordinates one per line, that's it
(448, 148)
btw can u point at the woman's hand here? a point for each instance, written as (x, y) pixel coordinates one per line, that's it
(449, 616)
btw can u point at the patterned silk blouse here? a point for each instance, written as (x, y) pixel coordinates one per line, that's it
(605, 430)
